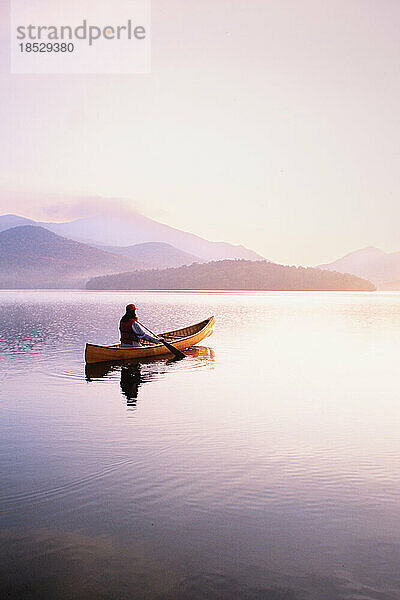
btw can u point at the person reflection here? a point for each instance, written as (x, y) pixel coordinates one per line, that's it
(130, 382)
(132, 377)
(135, 374)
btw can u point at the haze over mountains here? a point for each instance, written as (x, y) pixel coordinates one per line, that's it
(155, 254)
(382, 268)
(32, 255)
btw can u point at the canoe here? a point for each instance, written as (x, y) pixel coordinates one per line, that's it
(153, 365)
(181, 338)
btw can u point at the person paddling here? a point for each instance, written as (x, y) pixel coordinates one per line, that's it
(132, 332)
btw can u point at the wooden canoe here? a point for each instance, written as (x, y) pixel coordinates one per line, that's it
(181, 338)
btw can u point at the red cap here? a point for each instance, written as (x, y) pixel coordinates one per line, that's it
(130, 307)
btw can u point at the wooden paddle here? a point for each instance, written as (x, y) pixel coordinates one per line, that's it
(170, 347)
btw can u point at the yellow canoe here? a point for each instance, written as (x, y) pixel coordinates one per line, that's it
(181, 338)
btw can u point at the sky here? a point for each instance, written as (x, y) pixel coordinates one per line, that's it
(270, 124)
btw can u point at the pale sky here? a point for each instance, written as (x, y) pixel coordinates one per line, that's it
(274, 124)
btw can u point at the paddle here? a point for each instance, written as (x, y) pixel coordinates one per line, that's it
(170, 347)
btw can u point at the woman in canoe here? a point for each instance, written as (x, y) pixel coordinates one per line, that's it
(131, 331)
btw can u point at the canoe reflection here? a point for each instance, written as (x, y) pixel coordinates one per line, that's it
(135, 373)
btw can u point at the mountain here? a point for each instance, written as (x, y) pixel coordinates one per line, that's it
(8, 221)
(32, 257)
(383, 268)
(231, 275)
(133, 228)
(155, 254)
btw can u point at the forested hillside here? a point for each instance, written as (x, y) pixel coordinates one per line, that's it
(232, 275)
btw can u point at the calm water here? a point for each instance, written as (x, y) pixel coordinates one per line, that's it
(263, 466)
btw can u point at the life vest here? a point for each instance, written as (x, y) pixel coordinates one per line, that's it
(128, 336)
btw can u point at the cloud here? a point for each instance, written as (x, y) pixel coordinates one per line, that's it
(61, 207)
(77, 207)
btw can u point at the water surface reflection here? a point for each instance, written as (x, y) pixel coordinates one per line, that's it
(270, 470)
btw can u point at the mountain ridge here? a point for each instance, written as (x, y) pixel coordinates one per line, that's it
(134, 228)
(383, 268)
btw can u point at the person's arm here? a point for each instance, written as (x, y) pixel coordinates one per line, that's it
(140, 332)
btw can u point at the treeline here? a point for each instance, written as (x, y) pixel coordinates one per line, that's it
(232, 275)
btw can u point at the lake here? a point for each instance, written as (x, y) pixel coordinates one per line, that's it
(265, 465)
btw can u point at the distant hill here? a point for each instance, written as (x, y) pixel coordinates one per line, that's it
(32, 257)
(155, 254)
(134, 228)
(232, 275)
(383, 268)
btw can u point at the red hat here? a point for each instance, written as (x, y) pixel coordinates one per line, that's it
(130, 307)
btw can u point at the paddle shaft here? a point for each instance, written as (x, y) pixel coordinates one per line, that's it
(170, 347)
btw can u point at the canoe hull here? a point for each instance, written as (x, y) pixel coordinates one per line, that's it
(181, 338)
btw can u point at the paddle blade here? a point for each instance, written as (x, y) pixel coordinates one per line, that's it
(174, 350)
